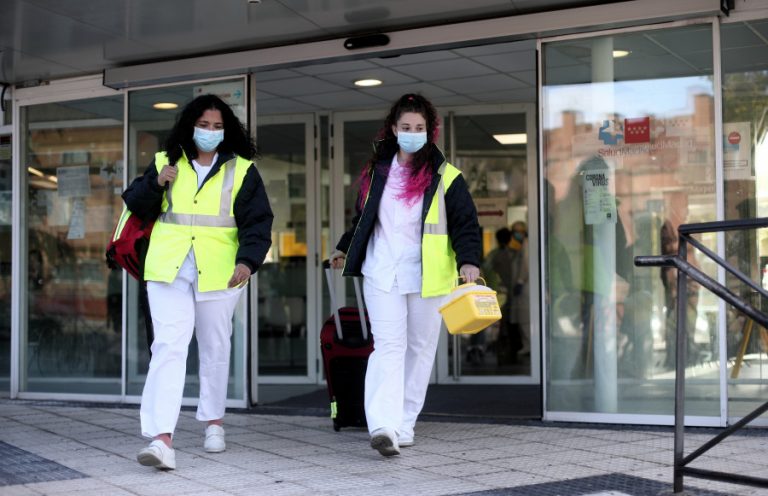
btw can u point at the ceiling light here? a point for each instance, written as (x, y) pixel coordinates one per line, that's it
(511, 139)
(34, 171)
(367, 82)
(617, 54)
(165, 106)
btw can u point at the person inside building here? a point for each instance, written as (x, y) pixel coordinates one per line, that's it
(497, 271)
(415, 234)
(213, 231)
(519, 305)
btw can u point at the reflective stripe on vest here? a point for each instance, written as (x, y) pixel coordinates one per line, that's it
(441, 226)
(223, 219)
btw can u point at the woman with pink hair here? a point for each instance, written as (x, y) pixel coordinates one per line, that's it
(415, 233)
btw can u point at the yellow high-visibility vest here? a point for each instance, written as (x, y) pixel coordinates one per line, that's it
(203, 220)
(438, 260)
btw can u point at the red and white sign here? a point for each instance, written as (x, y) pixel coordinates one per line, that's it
(734, 138)
(637, 130)
(491, 212)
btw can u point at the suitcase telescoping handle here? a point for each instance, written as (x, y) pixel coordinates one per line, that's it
(335, 307)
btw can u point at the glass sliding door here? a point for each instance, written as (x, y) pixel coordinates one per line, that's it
(745, 176)
(72, 163)
(494, 147)
(629, 155)
(287, 334)
(148, 127)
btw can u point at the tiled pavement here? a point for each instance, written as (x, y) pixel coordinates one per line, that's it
(60, 449)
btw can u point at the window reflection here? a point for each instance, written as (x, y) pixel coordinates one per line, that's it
(629, 156)
(74, 168)
(5, 261)
(745, 174)
(283, 277)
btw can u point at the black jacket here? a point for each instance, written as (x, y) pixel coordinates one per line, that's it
(253, 215)
(463, 226)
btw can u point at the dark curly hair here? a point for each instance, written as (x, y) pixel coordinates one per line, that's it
(236, 137)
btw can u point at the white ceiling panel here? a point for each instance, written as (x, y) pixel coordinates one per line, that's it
(343, 99)
(298, 86)
(276, 74)
(444, 69)
(509, 62)
(515, 46)
(393, 92)
(495, 82)
(283, 106)
(345, 66)
(415, 58)
(512, 96)
(446, 101)
(527, 77)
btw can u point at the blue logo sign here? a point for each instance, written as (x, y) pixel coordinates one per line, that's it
(611, 132)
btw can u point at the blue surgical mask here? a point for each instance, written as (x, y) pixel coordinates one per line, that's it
(518, 235)
(207, 140)
(411, 142)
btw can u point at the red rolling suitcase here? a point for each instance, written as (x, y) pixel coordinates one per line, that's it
(345, 343)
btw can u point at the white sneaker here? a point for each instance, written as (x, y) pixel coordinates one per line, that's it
(385, 442)
(157, 455)
(214, 439)
(405, 441)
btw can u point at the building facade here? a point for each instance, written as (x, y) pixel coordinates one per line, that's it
(602, 128)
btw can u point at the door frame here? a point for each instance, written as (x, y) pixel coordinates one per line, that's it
(311, 181)
(442, 365)
(651, 419)
(79, 88)
(440, 371)
(337, 186)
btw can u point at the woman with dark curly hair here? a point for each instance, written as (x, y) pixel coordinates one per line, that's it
(213, 230)
(415, 234)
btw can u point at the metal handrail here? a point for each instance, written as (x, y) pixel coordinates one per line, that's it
(684, 271)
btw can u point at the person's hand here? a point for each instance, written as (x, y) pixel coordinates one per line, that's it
(469, 273)
(337, 259)
(167, 175)
(239, 276)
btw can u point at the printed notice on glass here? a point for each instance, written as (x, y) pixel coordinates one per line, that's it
(74, 181)
(599, 200)
(77, 220)
(6, 200)
(737, 151)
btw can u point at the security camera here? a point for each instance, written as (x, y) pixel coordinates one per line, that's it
(254, 1)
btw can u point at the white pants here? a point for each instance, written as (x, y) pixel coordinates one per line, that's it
(175, 315)
(405, 331)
